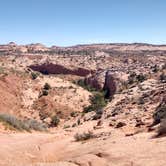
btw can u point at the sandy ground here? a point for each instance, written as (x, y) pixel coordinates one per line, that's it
(60, 149)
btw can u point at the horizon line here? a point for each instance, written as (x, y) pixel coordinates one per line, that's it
(83, 43)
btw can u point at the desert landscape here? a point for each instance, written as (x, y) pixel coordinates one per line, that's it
(84, 105)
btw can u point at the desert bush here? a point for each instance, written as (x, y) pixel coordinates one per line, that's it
(140, 77)
(98, 101)
(13, 121)
(47, 86)
(35, 125)
(34, 75)
(22, 124)
(82, 83)
(44, 92)
(84, 136)
(134, 78)
(55, 121)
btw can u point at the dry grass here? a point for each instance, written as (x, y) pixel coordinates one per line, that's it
(12, 122)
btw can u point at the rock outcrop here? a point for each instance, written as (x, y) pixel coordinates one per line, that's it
(50, 68)
(103, 80)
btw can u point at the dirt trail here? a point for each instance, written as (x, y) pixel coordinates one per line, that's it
(61, 149)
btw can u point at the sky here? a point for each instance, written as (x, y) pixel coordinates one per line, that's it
(71, 22)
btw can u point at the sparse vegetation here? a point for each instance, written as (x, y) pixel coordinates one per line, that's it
(82, 83)
(47, 86)
(18, 124)
(141, 77)
(84, 136)
(98, 101)
(54, 121)
(44, 92)
(34, 75)
(136, 78)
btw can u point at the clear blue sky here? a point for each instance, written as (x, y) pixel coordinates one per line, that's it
(70, 22)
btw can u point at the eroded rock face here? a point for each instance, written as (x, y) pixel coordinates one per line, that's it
(110, 84)
(103, 80)
(97, 80)
(50, 68)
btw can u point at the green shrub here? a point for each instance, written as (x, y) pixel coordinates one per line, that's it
(34, 75)
(82, 83)
(98, 101)
(47, 86)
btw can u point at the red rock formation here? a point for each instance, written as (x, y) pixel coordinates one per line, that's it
(103, 80)
(50, 68)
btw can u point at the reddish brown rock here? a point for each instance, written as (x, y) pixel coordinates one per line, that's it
(103, 80)
(50, 68)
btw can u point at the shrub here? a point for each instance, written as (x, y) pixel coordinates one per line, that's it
(140, 77)
(47, 86)
(97, 102)
(55, 121)
(84, 136)
(13, 121)
(82, 83)
(22, 124)
(34, 75)
(133, 78)
(44, 92)
(35, 125)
